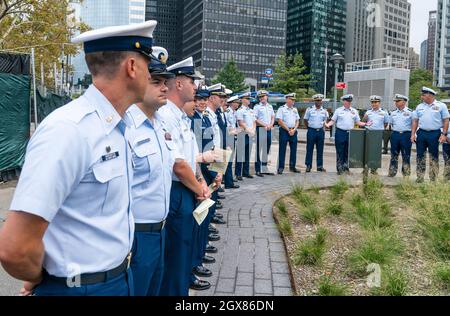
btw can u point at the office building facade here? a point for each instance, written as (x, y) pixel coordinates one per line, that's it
(168, 34)
(424, 54)
(431, 41)
(253, 33)
(442, 49)
(413, 59)
(377, 29)
(316, 28)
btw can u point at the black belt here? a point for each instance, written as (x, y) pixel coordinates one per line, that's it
(93, 278)
(316, 129)
(149, 228)
(342, 130)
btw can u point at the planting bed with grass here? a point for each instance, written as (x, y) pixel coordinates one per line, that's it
(368, 240)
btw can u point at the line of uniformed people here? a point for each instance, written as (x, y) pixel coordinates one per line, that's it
(427, 126)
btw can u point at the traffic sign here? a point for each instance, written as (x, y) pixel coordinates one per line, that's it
(269, 72)
(341, 85)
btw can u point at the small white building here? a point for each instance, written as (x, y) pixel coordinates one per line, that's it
(384, 77)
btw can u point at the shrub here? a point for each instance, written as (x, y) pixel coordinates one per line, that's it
(378, 246)
(310, 214)
(310, 251)
(338, 190)
(442, 275)
(282, 208)
(302, 197)
(335, 208)
(284, 225)
(329, 288)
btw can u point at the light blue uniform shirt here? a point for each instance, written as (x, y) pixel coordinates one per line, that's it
(178, 125)
(288, 115)
(316, 117)
(77, 176)
(401, 121)
(231, 118)
(346, 118)
(247, 115)
(378, 119)
(152, 165)
(264, 113)
(430, 116)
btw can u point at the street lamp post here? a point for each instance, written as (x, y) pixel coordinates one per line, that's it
(337, 59)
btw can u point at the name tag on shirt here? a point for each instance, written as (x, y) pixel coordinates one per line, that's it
(110, 156)
(144, 141)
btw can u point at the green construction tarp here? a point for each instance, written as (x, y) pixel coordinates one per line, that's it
(49, 103)
(14, 119)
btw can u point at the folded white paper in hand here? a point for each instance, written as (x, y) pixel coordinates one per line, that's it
(222, 164)
(201, 211)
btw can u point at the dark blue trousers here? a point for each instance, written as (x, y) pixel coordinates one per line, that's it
(118, 286)
(285, 138)
(341, 143)
(428, 140)
(147, 262)
(263, 144)
(400, 143)
(228, 177)
(446, 153)
(243, 151)
(179, 242)
(315, 137)
(200, 244)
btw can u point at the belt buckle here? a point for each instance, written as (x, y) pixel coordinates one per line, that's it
(129, 260)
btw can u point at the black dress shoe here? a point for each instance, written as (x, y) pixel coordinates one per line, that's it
(217, 220)
(280, 171)
(219, 206)
(295, 170)
(221, 190)
(308, 169)
(268, 173)
(259, 174)
(249, 177)
(201, 271)
(208, 259)
(239, 178)
(218, 215)
(233, 187)
(200, 285)
(220, 197)
(321, 170)
(213, 230)
(213, 237)
(210, 249)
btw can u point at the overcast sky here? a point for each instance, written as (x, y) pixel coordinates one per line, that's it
(419, 21)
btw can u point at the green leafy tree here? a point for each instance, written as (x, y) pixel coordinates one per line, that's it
(46, 25)
(291, 76)
(418, 79)
(231, 77)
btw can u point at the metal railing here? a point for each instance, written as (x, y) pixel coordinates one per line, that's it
(377, 64)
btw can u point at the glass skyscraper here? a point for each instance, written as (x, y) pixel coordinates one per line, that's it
(103, 13)
(313, 25)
